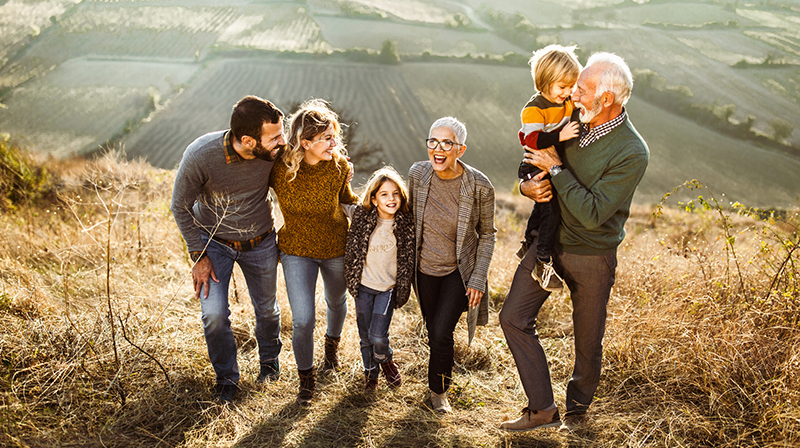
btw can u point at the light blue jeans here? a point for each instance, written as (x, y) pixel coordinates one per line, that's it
(260, 268)
(301, 282)
(374, 312)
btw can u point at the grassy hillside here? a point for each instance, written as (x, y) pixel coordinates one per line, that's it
(101, 341)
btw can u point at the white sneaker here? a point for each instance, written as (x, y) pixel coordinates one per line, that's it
(546, 275)
(440, 403)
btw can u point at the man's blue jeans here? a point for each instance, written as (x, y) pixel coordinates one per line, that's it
(301, 274)
(374, 312)
(260, 268)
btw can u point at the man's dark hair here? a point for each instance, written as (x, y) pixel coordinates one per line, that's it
(249, 115)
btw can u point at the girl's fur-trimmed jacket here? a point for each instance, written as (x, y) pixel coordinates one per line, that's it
(355, 254)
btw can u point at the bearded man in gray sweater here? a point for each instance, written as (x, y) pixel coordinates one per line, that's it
(595, 179)
(223, 210)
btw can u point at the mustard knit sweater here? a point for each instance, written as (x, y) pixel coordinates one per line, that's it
(315, 226)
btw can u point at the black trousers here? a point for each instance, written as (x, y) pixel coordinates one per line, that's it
(442, 300)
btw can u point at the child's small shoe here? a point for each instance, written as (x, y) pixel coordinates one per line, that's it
(370, 381)
(547, 277)
(523, 249)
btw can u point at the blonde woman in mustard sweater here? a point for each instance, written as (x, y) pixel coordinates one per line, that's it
(311, 180)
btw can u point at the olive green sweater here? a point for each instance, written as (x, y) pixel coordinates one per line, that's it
(596, 188)
(315, 225)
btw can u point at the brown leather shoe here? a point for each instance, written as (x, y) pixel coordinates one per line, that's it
(331, 361)
(573, 423)
(531, 419)
(308, 381)
(391, 373)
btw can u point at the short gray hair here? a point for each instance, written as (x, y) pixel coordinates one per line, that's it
(452, 123)
(615, 76)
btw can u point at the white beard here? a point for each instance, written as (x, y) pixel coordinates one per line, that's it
(588, 115)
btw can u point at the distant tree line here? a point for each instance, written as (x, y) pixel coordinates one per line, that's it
(653, 88)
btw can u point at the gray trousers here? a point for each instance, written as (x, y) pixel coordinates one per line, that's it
(590, 278)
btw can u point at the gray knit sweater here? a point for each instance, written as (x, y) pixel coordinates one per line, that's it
(220, 193)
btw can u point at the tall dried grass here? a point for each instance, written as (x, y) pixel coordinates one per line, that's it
(101, 342)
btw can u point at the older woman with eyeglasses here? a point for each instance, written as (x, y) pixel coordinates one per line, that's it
(455, 235)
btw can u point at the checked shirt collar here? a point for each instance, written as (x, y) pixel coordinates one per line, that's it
(589, 136)
(231, 155)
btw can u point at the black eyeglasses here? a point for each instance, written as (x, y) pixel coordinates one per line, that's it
(446, 145)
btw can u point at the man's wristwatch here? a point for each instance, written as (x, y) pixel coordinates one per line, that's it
(197, 256)
(555, 169)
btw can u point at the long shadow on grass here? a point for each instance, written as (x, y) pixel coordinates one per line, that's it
(544, 438)
(343, 425)
(421, 427)
(160, 414)
(274, 429)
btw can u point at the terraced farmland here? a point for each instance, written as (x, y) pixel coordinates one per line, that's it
(85, 102)
(411, 38)
(376, 96)
(20, 20)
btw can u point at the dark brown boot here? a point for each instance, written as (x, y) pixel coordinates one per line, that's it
(308, 382)
(331, 361)
(391, 373)
(370, 383)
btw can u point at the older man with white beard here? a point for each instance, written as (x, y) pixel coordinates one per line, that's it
(595, 182)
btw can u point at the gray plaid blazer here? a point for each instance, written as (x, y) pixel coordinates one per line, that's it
(475, 235)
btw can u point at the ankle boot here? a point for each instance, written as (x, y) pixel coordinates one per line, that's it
(308, 382)
(370, 382)
(331, 361)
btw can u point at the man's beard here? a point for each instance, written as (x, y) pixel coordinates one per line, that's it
(587, 116)
(269, 155)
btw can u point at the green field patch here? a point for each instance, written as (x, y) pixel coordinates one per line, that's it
(147, 31)
(788, 22)
(409, 10)
(676, 13)
(713, 51)
(273, 27)
(68, 121)
(787, 43)
(158, 18)
(137, 73)
(24, 19)
(682, 150)
(85, 103)
(344, 33)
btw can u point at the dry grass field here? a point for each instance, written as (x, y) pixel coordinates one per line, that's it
(101, 341)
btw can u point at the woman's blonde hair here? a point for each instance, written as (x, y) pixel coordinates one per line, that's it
(553, 63)
(375, 183)
(311, 119)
